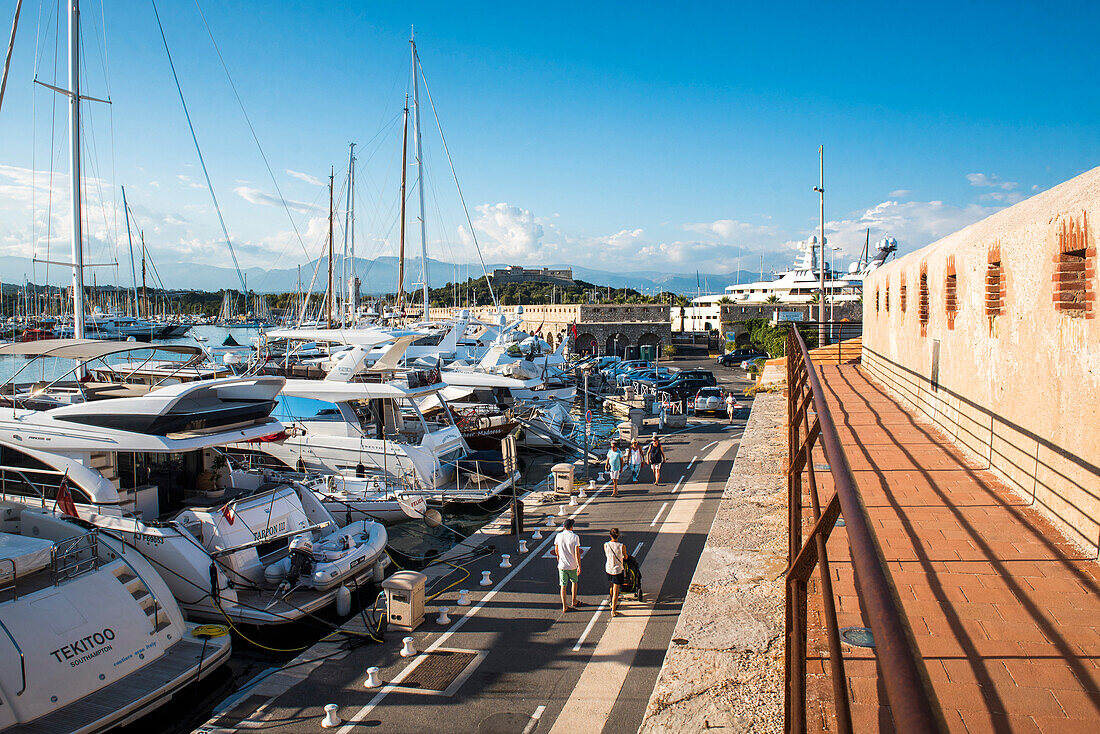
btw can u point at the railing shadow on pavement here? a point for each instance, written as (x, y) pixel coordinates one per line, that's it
(904, 679)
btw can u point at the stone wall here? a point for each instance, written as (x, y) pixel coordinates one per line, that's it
(991, 334)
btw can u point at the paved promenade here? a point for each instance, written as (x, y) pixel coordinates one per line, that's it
(1005, 612)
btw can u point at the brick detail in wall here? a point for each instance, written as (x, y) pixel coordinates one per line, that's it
(994, 288)
(951, 293)
(923, 310)
(886, 296)
(1074, 276)
(901, 294)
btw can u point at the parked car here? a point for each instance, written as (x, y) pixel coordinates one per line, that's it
(646, 374)
(738, 356)
(625, 366)
(757, 363)
(709, 400)
(686, 384)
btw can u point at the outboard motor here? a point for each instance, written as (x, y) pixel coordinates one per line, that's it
(301, 559)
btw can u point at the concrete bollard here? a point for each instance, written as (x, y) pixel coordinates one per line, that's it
(331, 719)
(537, 535)
(505, 561)
(443, 618)
(561, 511)
(591, 485)
(550, 522)
(573, 501)
(408, 649)
(343, 601)
(523, 546)
(464, 597)
(372, 681)
(485, 580)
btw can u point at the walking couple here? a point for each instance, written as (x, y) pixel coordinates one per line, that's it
(567, 549)
(653, 454)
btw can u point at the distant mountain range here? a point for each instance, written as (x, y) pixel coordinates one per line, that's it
(380, 275)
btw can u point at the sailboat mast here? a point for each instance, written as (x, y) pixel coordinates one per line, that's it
(74, 167)
(420, 182)
(130, 241)
(144, 292)
(331, 290)
(401, 243)
(352, 304)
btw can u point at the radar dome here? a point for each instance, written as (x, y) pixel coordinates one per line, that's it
(853, 268)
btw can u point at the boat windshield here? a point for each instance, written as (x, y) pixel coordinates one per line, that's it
(289, 408)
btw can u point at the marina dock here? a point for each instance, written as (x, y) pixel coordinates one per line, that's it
(512, 661)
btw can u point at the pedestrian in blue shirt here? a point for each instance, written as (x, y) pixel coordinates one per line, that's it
(614, 462)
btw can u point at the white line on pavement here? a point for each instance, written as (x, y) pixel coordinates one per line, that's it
(591, 624)
(658, 515)
(677, 487)
(692, 463)
(385, 691)
(707, 446)
(534, 720)
(637, 549)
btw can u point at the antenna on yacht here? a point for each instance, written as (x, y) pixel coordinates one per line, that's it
(331, 289)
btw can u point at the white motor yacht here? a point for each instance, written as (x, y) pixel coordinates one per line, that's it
(90, 636)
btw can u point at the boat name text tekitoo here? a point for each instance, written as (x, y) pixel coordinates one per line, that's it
(84, 647)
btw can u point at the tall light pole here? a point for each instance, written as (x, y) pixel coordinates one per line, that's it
(821, 264)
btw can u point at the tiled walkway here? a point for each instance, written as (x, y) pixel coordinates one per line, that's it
(1005, 612)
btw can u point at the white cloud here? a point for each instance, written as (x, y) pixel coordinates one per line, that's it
(187, 181)
(1008, 197)
(991, 180)
(312, 180)
(729, 229)
(508, 232)
(256, 196)
(901, 194)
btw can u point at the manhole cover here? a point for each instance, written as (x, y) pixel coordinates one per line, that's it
(439, 673)
(505, 723)
(438, 670)
(857, 636)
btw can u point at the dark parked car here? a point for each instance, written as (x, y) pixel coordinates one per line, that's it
(686, 384)
(737, 356)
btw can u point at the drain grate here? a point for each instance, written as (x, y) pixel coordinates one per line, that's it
(438, 670)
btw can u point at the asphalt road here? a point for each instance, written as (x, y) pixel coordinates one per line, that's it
(539, 669)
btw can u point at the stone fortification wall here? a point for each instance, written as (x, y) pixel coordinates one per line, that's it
(991, 334)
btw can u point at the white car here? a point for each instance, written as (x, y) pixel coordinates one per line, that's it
(709, 400)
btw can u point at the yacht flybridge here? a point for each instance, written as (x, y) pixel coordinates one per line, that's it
(90, 636)
(141, 465)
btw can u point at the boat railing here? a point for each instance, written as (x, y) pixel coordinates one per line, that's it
(22, 659)
(903, 677)
(9, 476)
(75, 556)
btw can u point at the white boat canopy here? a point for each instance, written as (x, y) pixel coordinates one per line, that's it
(88, 349)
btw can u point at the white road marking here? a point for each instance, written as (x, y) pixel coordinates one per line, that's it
(534, 720)
(591, 624)
(550, 551)
(658, 515)
(362, 713)
(677, 487)
(692, 463)
(707, 446)
(637, 549)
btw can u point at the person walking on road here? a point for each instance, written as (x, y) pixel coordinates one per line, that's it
(614, 462)
(635, 460)
(615, 553)
(731, 405)
(567, 549)
(655, 456)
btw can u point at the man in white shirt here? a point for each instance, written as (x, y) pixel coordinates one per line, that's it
(567, 549)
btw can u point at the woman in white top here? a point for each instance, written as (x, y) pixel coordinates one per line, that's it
(635, 460)
(616, 554)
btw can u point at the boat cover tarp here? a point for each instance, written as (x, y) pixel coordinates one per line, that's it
(28, 554)
(85, 349)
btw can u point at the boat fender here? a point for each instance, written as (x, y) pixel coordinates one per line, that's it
(275, 572)
(215, 592)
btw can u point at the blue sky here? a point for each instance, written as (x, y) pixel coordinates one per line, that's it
(637, 136)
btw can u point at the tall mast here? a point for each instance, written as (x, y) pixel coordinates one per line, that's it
(349, 235)
(130, 240)
(74, 167)
(331, 290)
(420, 182)
(144, 293)
(401, 245)
(821, 264)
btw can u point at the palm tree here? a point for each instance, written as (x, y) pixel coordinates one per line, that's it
(773, 298)
(725, 299)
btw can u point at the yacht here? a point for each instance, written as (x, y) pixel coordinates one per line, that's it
(91, 637)
(141, 465)
(802, 282)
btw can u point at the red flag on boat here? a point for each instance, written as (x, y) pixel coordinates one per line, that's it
(228, 512)
(65, 498)
(280, 436)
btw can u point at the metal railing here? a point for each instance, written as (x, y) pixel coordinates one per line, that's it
(904, 679)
